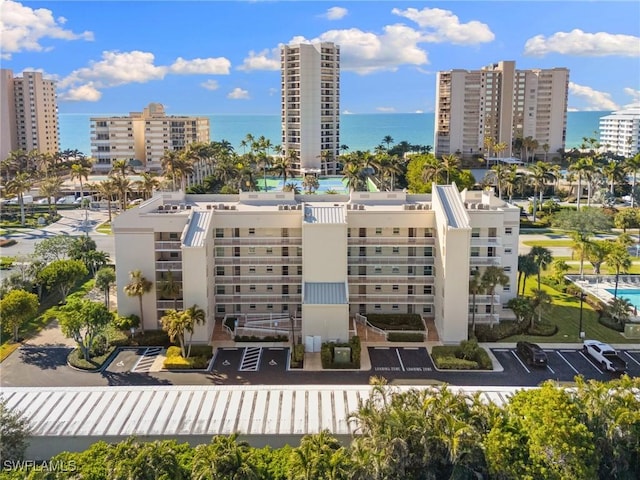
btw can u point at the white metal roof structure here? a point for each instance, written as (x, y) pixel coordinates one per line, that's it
(72, 418)
(325, 293)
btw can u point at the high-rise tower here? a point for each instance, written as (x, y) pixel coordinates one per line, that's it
(311, 106)
(28, 113)
(502, 103)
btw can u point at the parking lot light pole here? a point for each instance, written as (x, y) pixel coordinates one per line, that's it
(581, 333)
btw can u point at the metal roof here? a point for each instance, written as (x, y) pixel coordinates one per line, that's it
(452, 205)
(122, 411)
(325, 293)
(324, 214)
(197, 228)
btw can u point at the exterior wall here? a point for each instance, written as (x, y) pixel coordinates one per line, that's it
(196, 281)
(331, 322)
(620, 132)
(501, 102)
(8, 133)
(324, 252)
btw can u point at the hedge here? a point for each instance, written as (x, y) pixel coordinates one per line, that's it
(543, 329)
(267, 338)
(466, 356)
(326, 354)
(396, 321)
(76, 359)
(405, 337)
(201, 354)
(452, 363)
(504, 329)
(611, 323)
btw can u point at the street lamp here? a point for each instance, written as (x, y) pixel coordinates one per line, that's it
(581, 333)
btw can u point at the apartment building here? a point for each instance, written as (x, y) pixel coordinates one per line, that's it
(321, 259)
(143, 137)
(620, 131)
(501, 102)
(310, 85)
(28, 113)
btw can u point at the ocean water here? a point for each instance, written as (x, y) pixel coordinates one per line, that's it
(357, 131)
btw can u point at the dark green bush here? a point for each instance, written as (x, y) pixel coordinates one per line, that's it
(298, 353)
(326, 354)
(611, 323)
(126, 322)
(504, 329)
(396, 321)
(267, 338)
(405, 337)
(453, 363)
(155, 338)
(543, 329)
(468, 356)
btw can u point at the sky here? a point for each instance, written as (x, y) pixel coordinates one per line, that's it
(222, 57)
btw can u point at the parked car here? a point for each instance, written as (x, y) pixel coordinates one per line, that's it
(532, 354)
(604, 355)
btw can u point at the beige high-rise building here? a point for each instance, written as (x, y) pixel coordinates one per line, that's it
(503, 103)
(28, 113)
(143, 137)
(311, 105)
(260, 259)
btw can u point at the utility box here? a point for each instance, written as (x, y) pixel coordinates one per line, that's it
(342, 354)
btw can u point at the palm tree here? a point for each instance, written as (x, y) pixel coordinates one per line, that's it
(225, 458)
(170, 288)
(539, 301)
(488, 142)
(282, 167)
(491, 278)
(632, 165)
(50, 188)
(475, 288)
(352, 173)
(18, 186)
(432, 170)
(614, 173)
(619, 260)
(450, 164)
(326, 157)
(310, 183)
(122, 185)
(542, 257)
(105, 277)
(80, 171)
(138, 285)
(121, 168)
(540, 174)
(107, 189)
(388, 140)
(147, 184)
(168, 161)
(175, 324)
(581, 242)
(502, 174)
(194, 316)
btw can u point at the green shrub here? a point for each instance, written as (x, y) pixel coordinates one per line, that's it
(466, 356)
(452, 363)
(326, 354)
(154, 338)
(396, 321)
(126, 322)
(611, 323)
(504, 329)
(76, 359)
(405, 337)
(177, 363)
(201, 351)
(173, 352)
(543, 329)
(201, 354)
(298, 353)
(267, 338)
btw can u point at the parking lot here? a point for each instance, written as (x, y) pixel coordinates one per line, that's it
(400, 359)
(138, 359)
(251, 359)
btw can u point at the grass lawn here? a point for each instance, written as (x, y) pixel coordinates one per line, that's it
(104, 228)
(565, 313)
(549, 243)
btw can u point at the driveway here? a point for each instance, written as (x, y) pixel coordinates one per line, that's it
(50, 336)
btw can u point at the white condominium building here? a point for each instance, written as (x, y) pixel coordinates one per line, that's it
(503, 103)
(143, 137)
(311, 105)
(620, 131)
(28, 113)
(321, 259)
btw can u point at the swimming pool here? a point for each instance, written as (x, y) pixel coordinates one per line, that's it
(632, 294)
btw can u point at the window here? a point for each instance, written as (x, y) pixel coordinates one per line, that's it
(428, 289)
(269, 250)
(506, 288)
(252, 250)
(508, 231)
(252, 269)
(173, 236)
(269, 306)
(269, 268)
(378, 288)
(428, 270)
(220, 289)
(252, 231)
(219, 270)
(220, 309)
(395, 269)
(427, 309)
(252, 307)
(507, 269)
(395, 288)
(378, 231)
(219, 252)
(507, 250)
(377, 269)
(475, 251)
(299, 269)
(173, 254)
(378, 250)
(377, 307)
(252, 288)
(396, 230)
(428, 251)
(269, 288)
(396, 250)
(475, 233)
(395, 307)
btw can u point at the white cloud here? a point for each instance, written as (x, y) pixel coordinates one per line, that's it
(210, 85)
(117, 68)
(264, 60)
(443, 26)
(595, 99)
(347, 112)
(366, 52)
(238, 94)
(386, 109)
(201, 66)
(419, 111)
(633, 93)
(83, 93)
(580, 43)
(23, 28)
(336, 13)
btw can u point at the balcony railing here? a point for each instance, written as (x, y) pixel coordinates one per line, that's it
(258, 279)
(168, 265)
(168, 245)
(251, 241)
(386, 260)
(166, 304)
(400, 241)
(253, 260)
(400, 279)
(256, 298)
(399, 298)
(486, 241)
(486, 261)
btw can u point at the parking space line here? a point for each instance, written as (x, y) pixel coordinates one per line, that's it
(633, 359)
(520, 361)
(400, 360)
(591, 362)
(567, 361)
(551, 369)
(141, 357)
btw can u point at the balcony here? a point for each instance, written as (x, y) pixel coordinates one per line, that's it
(168, 265)
(485, 299)
(257, 241)
(257, 298)
(258, 279)
(167, 304)
(396, 260)
(253, 260)
(399, 298)
(486, 241)
(485, 261)
(397, 279)
(394, 241)
(168, 245)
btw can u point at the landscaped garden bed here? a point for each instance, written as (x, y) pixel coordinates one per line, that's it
(328, 355)
(199, 360)
(466, 356)
(396, 321)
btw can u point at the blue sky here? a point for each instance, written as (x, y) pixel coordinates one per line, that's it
(215, 57)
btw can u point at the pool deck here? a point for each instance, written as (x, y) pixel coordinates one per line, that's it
(599, 286)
